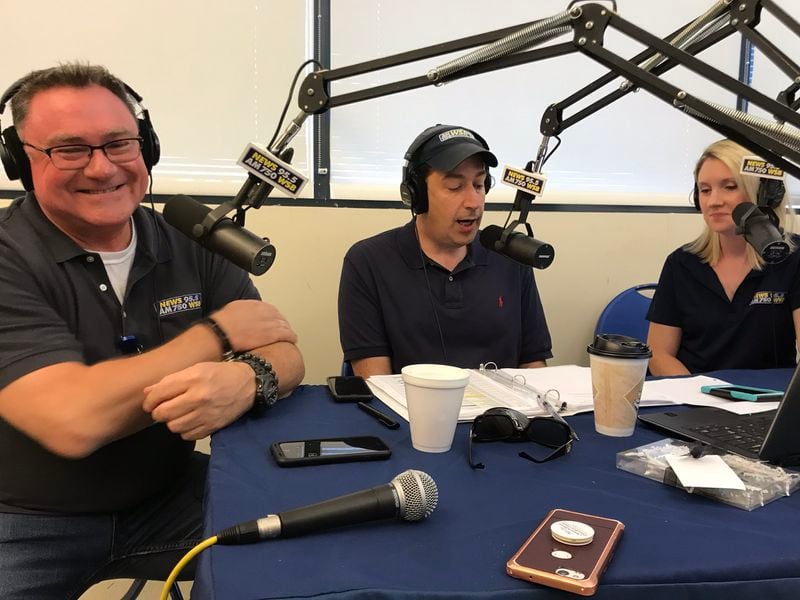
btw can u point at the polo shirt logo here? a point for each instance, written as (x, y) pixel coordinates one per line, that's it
(768, 298)
(179, 304)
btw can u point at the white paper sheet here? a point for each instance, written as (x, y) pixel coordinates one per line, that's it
(686, 390)
(574, 385)
(481, 394)
(705, 472)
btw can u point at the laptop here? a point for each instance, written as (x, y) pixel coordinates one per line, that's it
(772, 436)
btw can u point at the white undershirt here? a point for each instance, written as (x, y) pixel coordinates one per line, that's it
(118, 265)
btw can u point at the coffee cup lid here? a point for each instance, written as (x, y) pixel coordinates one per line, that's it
(618, 346)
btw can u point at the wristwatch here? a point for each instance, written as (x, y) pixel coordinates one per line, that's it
(266, 381)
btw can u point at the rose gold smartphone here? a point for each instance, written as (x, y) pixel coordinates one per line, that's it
(574, 566)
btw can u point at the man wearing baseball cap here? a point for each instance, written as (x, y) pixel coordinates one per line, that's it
(428, 292)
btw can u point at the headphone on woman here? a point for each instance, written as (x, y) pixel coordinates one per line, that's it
(770, 193)
(413, 190)
(16, 163)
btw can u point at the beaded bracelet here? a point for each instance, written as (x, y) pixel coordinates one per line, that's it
(227, 349)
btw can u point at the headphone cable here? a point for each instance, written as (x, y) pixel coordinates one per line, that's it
(422, 257)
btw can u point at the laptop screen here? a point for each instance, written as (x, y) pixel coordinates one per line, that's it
(782, 443)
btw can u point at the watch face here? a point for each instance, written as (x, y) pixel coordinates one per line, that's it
(266, 391)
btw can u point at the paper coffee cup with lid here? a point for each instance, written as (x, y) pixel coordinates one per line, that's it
(619, 365)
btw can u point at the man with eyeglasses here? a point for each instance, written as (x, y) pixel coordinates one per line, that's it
(113, 330)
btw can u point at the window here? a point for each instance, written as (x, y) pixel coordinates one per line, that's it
(213, 75)
(638, 150)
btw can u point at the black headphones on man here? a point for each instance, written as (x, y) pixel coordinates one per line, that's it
(16, 163)
(413, 190)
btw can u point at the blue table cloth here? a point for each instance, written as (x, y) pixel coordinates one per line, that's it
(675, 545)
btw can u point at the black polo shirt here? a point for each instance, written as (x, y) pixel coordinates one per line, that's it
(755, 330)
(488, 308)
(57, 305)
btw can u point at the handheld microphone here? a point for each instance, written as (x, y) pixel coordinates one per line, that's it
(760, 232)
(518, 247)
(411, 495)
(226, 238)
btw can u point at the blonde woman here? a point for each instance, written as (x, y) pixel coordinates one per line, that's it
(718, 304)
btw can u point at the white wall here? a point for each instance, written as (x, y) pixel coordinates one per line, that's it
(597, 255)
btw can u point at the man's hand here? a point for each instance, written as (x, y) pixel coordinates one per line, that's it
(203, 398)
(252, 324)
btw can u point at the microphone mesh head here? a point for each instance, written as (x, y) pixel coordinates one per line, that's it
(418, 494)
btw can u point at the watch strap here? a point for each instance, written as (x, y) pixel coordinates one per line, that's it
(266, 380)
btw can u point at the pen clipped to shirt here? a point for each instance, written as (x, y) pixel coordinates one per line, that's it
(383, 418)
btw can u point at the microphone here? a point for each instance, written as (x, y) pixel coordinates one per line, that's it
(411, 495)
(518, 247)
(760, 232)
(226, 238)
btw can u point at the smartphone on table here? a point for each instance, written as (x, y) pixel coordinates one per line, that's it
(568, 551)
(742, 392)
(351, 388)
(297, 453)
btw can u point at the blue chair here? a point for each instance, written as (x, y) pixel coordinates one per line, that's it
(347, 368)
(625, 314)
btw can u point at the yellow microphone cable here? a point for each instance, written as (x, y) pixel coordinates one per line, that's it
(173, 576)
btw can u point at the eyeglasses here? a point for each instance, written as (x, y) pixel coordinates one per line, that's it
(69, 157)
(501, 424)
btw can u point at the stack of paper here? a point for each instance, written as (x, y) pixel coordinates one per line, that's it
(574, 387)
(573, 383)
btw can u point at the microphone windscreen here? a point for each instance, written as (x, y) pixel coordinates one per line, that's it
(184, 212)
(490, 235)
(741, 210)
(418, 492)
(518, 246)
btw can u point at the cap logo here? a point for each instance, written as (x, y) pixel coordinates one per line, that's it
(452, 133)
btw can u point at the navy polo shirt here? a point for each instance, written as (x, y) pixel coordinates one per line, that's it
(57, 305)
(487, 308)
(754, 330)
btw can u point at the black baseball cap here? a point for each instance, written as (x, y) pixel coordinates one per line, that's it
(445, 150)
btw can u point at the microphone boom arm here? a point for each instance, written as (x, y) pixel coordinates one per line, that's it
(507, 47)
(742, 16)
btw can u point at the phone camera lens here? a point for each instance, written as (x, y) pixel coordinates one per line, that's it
(570, 573)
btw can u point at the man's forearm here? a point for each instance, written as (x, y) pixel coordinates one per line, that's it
(73, 409)
(287, 362)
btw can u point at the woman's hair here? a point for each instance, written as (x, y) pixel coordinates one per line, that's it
(707, 245)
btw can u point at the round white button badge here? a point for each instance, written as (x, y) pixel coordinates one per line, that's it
(573, 533)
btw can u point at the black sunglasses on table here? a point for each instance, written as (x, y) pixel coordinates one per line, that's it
(502, 424)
